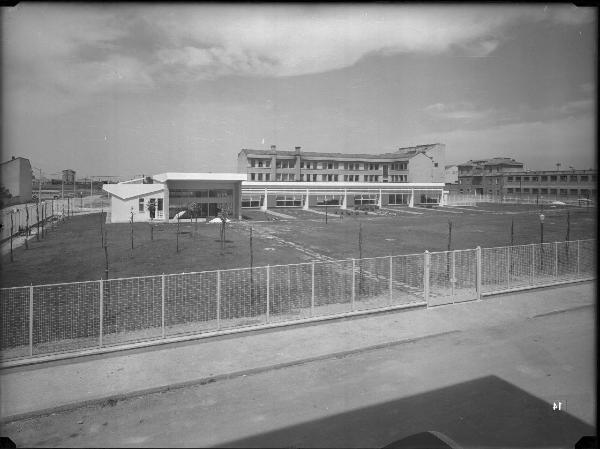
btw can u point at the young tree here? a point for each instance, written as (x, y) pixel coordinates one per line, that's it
(27, 226)
(37, 213)
(177, 232)
(11, 235)
(223, 214)
(131, 223)
(105, 239)
(152, 211)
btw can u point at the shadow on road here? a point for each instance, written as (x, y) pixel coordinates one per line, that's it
(487, 411)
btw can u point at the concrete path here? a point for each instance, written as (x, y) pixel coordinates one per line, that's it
(53, 386)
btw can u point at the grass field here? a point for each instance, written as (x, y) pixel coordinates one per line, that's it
(73, 252)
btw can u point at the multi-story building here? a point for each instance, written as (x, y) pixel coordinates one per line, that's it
(68, 176)
(17, 179)
(504, 177)
(423, 163)
(409, 176)
(485, 176)
(552, 184)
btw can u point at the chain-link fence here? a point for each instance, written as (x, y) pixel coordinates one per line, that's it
(50, 319)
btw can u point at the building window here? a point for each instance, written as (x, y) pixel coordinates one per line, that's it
(573, 192)
(544, 191)
(301, 164)
(268, 163)
(544, 178)
(292, 177)
(552, 191)
(251, 201)
(345, 177)
(260, 176)
(563, 191)
(278, 177)
(526, 190)
(510, 178)
(517, 190)
(435, 164)
(335, 178)
(364, 199)
(323, 200)
(509, 190)
(141, 205)
(563, 178)
(335, 165)
(517, 178)
(573, 178)
(285, 163)
(284, 177)
(534, 191)
(268, 177)
(252, 163)
(330, 166)
(314, 177)
(583, 178)
(288, 200)
(534, 178)
(252, 176)
(525, 178)
(260, 164)
(553, 178)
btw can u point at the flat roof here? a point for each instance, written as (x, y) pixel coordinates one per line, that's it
(171, 176)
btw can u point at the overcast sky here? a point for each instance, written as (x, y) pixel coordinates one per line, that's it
(122, 89)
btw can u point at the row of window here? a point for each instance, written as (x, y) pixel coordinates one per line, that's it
(583, 192)
(553, 178)
(156, 202)
(308, 165)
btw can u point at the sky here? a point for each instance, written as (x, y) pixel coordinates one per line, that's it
(126, 89)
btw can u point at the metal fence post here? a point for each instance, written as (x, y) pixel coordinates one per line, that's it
(508, 267)
(391, 290)
(353, 287)
(532, 263)
(578, 258)
(31, 320)
(556, 259)
(478, 271)
(218, 299)
(312, 291)
(101, 333)
(453, 274)
(162, 305)
(268, 293)
(426, 277)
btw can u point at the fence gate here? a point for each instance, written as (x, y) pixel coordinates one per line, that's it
(452, 277)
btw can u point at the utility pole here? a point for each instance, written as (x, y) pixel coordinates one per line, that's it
(40, 186)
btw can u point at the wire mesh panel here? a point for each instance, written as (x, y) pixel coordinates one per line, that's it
(333, 287)
(407, 279)
(544, 265)
(452, 277)
(464, 275)
(66, 317)
(131, 309)
(290, 292)
(372, 283)
(522, 258)
(587, 258)
(14, 322)
(495, 266)
(243, 297)
(190, 302)
(566, 259)
(440, 275)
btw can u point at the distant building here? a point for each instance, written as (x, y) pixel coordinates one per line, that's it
(17, 178)
(422, 163)
(451, 174)
(68, 176)
(504, 177)
(484, 176)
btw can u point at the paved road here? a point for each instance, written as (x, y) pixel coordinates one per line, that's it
(492, 384)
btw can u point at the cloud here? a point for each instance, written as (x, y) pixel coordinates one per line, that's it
(463, 111)
(84, 50)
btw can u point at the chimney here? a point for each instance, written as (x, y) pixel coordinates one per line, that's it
(13, 158)
(298, 150)
(273, 147)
